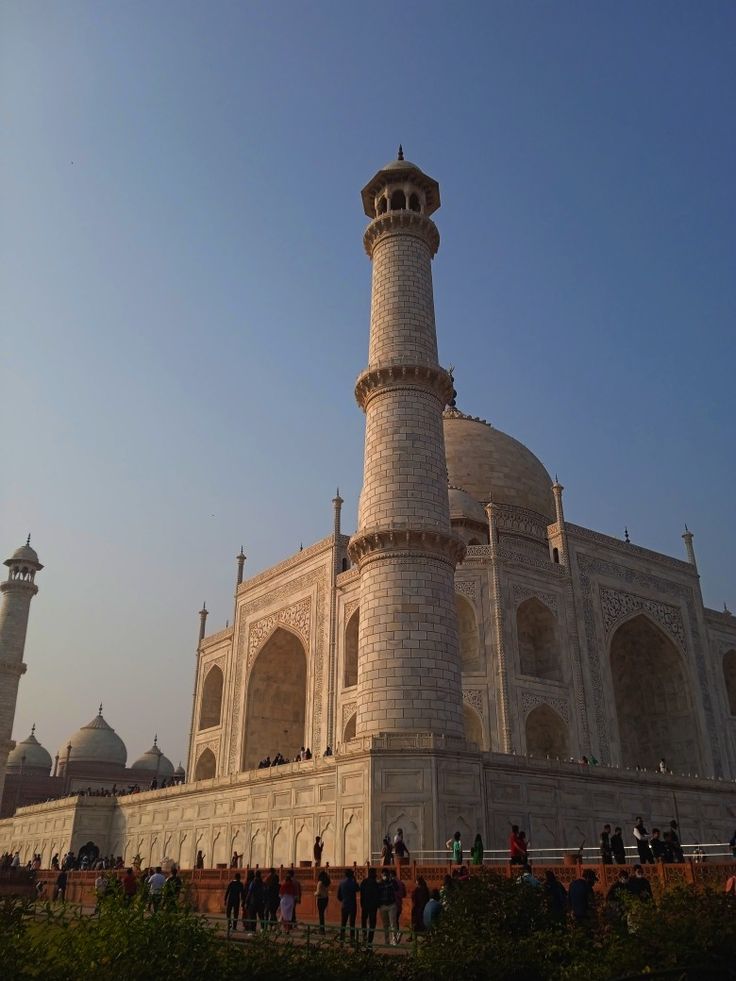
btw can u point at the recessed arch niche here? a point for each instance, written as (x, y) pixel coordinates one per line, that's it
(473, 726)
(210, 709)
(538, 636)
(652, 697)
(349, 731)
(206, 767)
(546, 733)
(467, 628)
(276, 702)
(351, 650)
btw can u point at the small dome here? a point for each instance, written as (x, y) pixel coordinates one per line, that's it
(30, 755)
(462, 505)
(25, 554)
(97, 742)
(490, 465)
(155, 762)
(180, 771)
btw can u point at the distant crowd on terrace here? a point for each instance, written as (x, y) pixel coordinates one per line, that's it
(278, 760)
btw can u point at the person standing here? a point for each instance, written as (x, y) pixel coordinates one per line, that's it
(319, 846)
(387, 852)
(130, 886)
(233, 901)
(555, 895)
(615, 902)
(61, 885)
(581, 898)
(400, 849)
(387, 907)
(639, 885)
(271, 897)
(605, 845)
(347, 893)
(456, 847)
(617, 846)
(369, 907)
(155, 884)
(677, 853)
(322, 895)
(400, 890)
(476, 853)
(433, 910)
(254, 902)
(641, 836)
(517, 851)
(657, 846)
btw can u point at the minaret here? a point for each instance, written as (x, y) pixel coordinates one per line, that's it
(408, 663)
(18, 590)
(687, 538)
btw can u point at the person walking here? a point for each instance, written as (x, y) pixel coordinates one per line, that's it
(476, 852)
(400, 890)
(233, 901)
(271, 897)
(130, 886)
(641, 837)
(155, 883)
(677, 853)
(322, 895)
(387, 907)
(347, 893)
(254, 903)
(617, 846)
(369, 907)
(456, 847)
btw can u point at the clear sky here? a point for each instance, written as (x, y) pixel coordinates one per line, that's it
(184, 296)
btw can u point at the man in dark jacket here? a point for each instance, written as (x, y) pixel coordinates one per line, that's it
(233, 899)
(639, 885)
(254, 902)
(617, 846)
(580, 897)
(369, 906)
(347, 893)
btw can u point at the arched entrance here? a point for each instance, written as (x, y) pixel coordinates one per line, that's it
(277, 695)
(546, 733)
(351, 650)
(473, 726)
(652, 696)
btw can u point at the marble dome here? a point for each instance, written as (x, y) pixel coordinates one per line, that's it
(30, 754)
(490, 465)
(463, 506)
(97, 742)
(154, 761)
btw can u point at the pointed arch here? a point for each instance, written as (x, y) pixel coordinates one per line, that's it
(467, 628)
(546, 733)
(351, 650)
(210, 709)
(473, 726)
(276, 702)
(538, 637)
(206, 767)
(729, 677)
(651, 690)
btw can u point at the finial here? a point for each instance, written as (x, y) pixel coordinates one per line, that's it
(400, 155)
(100, 711)
(301, 546)
(155, 739)
(626, 536)
(241, 553)
(687, 530)
(556, 480)
(28, 540)
(33, 729)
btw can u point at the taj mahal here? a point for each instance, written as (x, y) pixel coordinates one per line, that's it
(460, 652)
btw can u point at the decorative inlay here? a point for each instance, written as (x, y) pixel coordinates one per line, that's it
(211, 744)
(616, 605)
(520, 521)
(350, 607)
(474, 697)
(217, 662)
(348, 709)
(297, 617)
(469, 588)
(521, 592)
(531, 699)
(521, 558)
(586, 534)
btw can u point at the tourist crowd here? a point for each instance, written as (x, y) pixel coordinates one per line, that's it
(279, 759)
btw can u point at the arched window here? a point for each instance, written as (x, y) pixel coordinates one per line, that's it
(414, 202)
(211, 706)
(467, 628)
(398, 201)
(206, 766)
(556, 556)
(382, 206)
(349, 732)
(729, 675)
(652, 697)
(539, 653)
(473, 726)
(546, 733)
(351, 650)
(277, 696)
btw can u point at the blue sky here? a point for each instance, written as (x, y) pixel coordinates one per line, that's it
(184, 296)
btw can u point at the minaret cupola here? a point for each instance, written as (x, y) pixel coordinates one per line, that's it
(400, 186)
